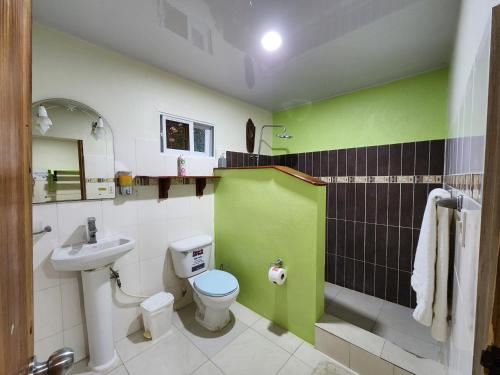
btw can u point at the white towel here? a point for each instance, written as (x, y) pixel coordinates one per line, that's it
(430, 269)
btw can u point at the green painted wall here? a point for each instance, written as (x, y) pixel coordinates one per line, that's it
(263, 214)
(412, 109)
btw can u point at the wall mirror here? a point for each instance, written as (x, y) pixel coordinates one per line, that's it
(72, 152)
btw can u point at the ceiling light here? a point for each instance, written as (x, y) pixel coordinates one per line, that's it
(98, 130)
(271, 41)
(42, 120)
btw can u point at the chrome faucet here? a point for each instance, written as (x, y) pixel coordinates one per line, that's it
(91, 230)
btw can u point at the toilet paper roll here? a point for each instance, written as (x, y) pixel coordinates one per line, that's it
(277, 275)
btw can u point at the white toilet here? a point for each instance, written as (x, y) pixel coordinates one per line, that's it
(213, 290)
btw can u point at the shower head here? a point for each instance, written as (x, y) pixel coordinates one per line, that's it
(284, 135)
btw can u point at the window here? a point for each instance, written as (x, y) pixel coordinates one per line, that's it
(203, 138)
(177, 135)
(181, 134)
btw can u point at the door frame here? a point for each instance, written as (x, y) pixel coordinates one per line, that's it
(16, 264)
(487, 329)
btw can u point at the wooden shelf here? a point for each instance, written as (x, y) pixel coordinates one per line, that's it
(164, 183)
(290, 171)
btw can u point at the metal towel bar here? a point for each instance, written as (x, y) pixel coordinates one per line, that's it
(455, 203)
(47, 229)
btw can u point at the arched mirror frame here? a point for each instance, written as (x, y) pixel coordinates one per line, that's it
(93, 115)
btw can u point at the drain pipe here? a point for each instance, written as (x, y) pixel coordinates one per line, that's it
(116, 276)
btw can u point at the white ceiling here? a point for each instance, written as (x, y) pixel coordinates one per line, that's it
(329, 46)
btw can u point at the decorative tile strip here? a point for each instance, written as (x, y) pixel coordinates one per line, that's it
(432, 179)
(384, 179)
(470, 183)
(145, 181)
(340, 180)
(405, 179)
(100, 179)
(381, 179)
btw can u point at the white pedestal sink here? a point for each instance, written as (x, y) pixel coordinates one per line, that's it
(93, 261)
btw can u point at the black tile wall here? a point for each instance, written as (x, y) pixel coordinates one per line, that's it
(408, 159)
(395, 159)
(350, 201)
(380, 281)
(369, 287)
(383, 161)
(371, 161)
(436, 157)
(332, 163)
(391, 289)
(382, 191)
(341, 163)
(324, 164)
(394, 203)
(422, 154)
(351, 162)
(373, 223)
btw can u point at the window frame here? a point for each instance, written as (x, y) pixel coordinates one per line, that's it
(209, 141)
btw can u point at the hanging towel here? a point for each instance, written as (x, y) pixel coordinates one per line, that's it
(430, 269)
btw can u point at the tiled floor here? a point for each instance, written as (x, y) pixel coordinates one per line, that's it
(250, 344)
(389, 320)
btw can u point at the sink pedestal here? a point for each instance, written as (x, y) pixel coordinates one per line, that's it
(93, 260)
(98, 313)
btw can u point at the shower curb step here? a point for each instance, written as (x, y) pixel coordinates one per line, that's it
(368, 353)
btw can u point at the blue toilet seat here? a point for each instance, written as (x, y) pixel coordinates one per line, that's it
(216, 283)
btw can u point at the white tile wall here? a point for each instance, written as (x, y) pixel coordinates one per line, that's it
(160, 91)
(59, 313)
(48, 312)
(464, 294)
(465, 268)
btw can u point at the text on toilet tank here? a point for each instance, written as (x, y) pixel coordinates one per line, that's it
(198, 260)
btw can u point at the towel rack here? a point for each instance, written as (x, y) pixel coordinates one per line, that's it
(455, 203)
(47, 229)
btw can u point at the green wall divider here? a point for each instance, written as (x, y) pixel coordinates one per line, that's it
(408, 110)
(260, 215)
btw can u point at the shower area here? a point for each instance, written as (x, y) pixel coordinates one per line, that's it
(375, 210)
(375, 205)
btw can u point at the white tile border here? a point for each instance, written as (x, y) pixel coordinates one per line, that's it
(360, 339)
(348, 332)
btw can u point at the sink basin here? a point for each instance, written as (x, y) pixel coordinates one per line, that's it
(91, 260)
(91, 256)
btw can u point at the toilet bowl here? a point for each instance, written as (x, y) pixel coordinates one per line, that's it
(214, 291)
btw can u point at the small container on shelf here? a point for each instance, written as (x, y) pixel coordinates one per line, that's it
(125, 182)
(181, 166)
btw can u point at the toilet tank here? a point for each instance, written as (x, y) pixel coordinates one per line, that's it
(191, 255)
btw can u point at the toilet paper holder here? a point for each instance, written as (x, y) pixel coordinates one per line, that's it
(277, 263)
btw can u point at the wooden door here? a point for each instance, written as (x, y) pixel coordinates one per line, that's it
(487, 330)
(16, 268)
